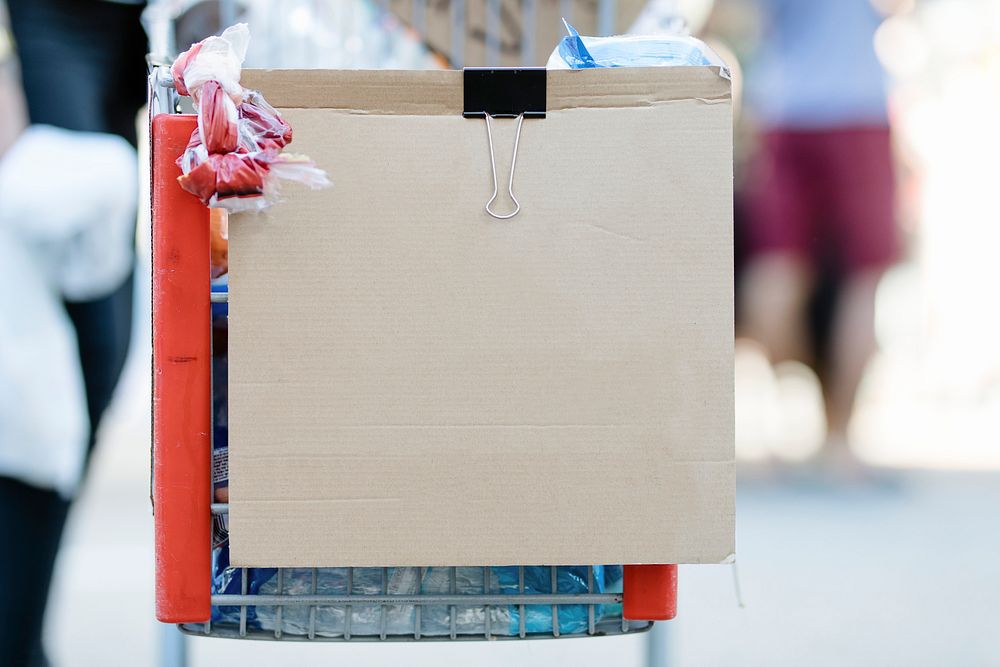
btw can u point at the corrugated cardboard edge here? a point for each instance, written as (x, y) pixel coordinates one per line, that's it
(439, 93)
(436, 93)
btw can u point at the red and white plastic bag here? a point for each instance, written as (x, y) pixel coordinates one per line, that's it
(235, 158)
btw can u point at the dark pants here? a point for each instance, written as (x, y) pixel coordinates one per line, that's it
(82, 65)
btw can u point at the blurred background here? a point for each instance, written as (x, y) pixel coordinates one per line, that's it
(882, 552)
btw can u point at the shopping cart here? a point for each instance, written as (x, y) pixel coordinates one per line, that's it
(182, 457)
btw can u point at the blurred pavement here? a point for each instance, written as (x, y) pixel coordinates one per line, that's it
(900, 575)
(904, 576)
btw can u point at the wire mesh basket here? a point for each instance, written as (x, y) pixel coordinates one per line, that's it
(298, 611)
(321, 604)
(407, 603)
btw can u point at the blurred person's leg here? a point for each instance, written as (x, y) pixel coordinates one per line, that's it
(774, 293)
(82, 69)
(778, 279)
(852, 342)
(860, 197)
(32, 521)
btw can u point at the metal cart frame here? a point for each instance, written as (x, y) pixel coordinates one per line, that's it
(182, 432)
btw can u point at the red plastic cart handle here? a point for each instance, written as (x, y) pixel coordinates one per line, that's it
(650, 592)
(182, 383)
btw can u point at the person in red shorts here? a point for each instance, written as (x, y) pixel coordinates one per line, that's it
(818, 192)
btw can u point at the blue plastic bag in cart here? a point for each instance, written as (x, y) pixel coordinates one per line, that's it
(577, 52)
(330, 621)
(435, 620)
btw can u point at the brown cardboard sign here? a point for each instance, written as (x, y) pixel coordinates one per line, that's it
(413, 382)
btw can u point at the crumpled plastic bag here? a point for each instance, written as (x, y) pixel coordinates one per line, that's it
(234, 159)
(435, 620)
(669, 50)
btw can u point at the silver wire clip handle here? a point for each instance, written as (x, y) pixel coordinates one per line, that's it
(517, 92)
(510, 181)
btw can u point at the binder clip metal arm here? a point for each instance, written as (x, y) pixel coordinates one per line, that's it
(504, 93)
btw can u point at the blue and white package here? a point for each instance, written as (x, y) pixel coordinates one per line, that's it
(577, 52)
(220, 411)
(435, 620)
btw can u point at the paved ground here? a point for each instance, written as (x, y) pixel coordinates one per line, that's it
(905, 575)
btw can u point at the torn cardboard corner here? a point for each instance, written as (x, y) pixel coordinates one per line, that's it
(522, 38)
(415, 383)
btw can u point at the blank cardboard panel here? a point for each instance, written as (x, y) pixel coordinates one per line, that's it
(413, 382)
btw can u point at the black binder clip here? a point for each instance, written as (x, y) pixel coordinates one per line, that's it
(504, 93)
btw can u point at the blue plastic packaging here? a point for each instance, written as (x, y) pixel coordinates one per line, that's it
(367, 619)
(578, 52)
(435, 620)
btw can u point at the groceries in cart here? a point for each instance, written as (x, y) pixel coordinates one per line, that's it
(232, 163)
(332, 621)
(219, 241)
(668, 50)
(434, 619)
(235, 158)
